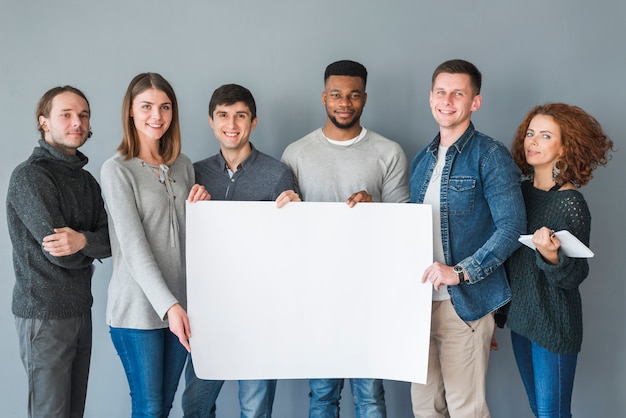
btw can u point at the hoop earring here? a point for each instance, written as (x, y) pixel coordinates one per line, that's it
(556, 171)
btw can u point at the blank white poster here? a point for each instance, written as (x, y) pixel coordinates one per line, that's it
(311, 290)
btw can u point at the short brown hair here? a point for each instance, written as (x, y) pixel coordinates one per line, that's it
(585, 145)
(458, 66)
(170, 143)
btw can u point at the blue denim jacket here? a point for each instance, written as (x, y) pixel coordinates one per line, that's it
(482, 216)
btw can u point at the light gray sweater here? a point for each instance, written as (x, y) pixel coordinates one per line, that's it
(147, 230)
(331, 173)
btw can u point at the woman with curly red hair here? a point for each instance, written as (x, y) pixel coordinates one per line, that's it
(557, 147)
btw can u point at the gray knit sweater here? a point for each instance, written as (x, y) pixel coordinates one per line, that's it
(327, 172)
(546, 305)
(147, 228)
(52, 190)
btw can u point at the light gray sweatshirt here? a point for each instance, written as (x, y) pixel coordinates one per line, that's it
(331, 173)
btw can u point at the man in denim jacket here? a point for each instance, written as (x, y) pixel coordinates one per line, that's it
(478, 214)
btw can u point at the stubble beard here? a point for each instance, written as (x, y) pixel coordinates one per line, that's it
(348, 125)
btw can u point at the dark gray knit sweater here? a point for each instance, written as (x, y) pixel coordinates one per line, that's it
(52, 190)
(546, 306)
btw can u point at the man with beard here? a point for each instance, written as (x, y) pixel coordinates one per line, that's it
(330, 164)
(58, 226)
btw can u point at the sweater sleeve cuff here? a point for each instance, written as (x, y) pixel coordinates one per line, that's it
(552, 268)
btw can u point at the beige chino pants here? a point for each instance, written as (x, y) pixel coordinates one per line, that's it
(457, 366)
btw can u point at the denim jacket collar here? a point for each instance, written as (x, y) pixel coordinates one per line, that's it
(459, 144)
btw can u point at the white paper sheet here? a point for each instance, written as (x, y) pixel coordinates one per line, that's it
(311, 290)
(571, 246)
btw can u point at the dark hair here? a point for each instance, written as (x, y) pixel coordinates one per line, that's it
(44, 106)
(229, 94)
(169, 145)
(458, 66)
(585, 145)
(346, 67)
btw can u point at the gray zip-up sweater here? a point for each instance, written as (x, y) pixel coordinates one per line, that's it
(52, 190)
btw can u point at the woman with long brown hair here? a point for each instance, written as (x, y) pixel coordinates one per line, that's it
(145, 185)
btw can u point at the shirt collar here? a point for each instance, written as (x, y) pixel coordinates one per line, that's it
(459, 144)
(242, 166)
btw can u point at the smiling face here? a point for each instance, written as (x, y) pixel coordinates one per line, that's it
(151, 111)
(344, 98)
(543, 145)
(232, 125)
(452, 101)
(67, 127)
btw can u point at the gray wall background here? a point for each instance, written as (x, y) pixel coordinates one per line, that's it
(529, 52)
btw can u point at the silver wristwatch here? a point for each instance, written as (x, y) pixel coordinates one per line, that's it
(459, 270)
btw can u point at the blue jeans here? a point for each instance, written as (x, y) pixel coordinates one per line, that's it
(256, 397)
(548, 377)
(153, 361)
(368, 396)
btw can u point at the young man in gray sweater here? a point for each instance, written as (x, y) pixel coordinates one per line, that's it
(58, 226)
(330, 165)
